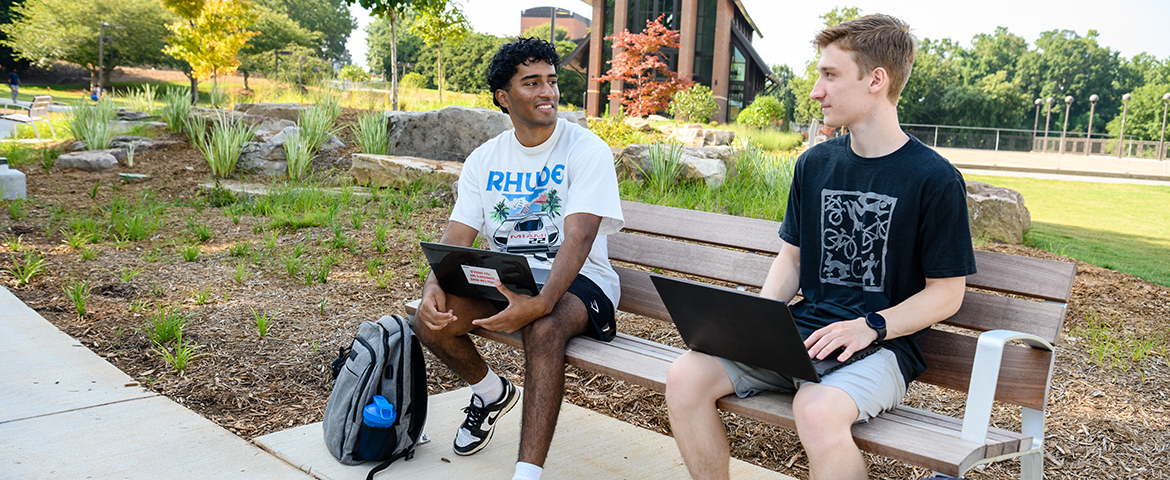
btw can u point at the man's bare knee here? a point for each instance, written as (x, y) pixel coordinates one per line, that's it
(696, 379)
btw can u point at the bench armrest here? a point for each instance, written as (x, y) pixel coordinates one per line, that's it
(985, 377)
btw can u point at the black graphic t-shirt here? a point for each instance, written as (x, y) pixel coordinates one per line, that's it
(871, 231)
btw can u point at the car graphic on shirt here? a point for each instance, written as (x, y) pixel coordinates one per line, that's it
(528, 234)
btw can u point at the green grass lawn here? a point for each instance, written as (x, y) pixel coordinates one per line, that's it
(1121, 227)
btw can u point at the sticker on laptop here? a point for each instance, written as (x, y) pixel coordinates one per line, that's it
(481, 276)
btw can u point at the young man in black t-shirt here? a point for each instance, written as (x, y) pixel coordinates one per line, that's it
(875, 237)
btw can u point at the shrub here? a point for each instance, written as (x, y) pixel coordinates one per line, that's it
(316, 124)
(412, 80)
(614, 132)
(695, 104)
(296, 151)
(763, 112)
(142, 99)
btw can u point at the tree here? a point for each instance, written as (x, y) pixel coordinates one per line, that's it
(439, 25)
(276, 32)
(936, 66)
(783, 90)
(806, 108)
(1143, 118)
(1065, 63)
(465, 68)
(210, 41)
(391, 10)
(353, 73)
(642, 64)
(329, 18)
(9, 61)
(44, 31)
(571, 83)
(762, 113)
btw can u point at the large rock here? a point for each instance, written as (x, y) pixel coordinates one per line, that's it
(140, 143)
(697, 136)
(997, 213)
(266, 157)
(131, 115)
(389, 171)
(711, 165)
(638, 123)
(286, 111)
(452, 133)
(91, 160)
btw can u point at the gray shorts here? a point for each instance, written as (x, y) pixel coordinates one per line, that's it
(874, 383)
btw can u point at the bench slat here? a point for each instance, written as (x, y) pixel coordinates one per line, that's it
(689, 258)
(1032, 277)
(1024, 376)
(983, 311)
(731, 231)
(639, 295)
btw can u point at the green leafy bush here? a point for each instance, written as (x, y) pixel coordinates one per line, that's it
(412, 80)
(763, 112)
(695, 104)
(615, 132)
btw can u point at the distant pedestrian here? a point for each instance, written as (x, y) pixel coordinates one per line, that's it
(14, 84)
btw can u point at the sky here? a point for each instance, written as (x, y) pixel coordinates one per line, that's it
(1126, 26)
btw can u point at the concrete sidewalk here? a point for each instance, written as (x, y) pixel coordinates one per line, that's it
(1053, 163)
(66, 413)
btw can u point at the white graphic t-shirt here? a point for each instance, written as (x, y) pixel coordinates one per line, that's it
(518, 197)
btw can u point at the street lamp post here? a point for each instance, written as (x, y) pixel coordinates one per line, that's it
(1124, 110)
(1036, 123)
(1089, 133)
(1067, 105)
(1162, 141)
(1047, 118)
(101, 54)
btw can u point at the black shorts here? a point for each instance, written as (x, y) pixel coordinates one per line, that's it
(602, 325)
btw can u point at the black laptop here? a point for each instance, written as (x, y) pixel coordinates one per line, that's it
(744, 327)
(471, 272)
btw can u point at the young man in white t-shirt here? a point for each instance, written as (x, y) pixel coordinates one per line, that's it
(548, 190)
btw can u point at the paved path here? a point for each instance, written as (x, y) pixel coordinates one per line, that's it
(66, 413)
(1105, 168)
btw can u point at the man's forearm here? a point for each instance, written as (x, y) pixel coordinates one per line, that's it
(940, 299)
(580, 232)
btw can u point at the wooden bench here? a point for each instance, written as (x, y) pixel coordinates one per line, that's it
(38, 111)
(983, 363)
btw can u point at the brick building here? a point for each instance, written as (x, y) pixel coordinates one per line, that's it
(715, 48)
(577, 24)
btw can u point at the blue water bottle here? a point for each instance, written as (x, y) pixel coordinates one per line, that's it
(377, 440)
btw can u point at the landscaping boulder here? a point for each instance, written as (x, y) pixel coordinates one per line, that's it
(268, 127)
(452, 133)
(696, 135)
(712, 165)
(130, 115)
(997, 213)
(266, 157)
(139, 143)
(285, 111)
(638, 123)
(91, 160)
(390, 171)
(123, 126)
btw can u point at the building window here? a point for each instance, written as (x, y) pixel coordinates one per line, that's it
(642, 11)
(738, 65)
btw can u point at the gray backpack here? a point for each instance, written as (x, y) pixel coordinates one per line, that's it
(384, 359)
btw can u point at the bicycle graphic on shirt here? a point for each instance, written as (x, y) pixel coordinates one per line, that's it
(855, 229)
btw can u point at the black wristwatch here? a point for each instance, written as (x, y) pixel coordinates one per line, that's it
(877, 322)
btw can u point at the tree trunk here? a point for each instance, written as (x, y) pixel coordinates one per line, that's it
(393, 60)
(194, 89)
(440, 72)
(245, 72)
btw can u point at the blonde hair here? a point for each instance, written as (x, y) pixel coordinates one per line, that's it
(877, 40)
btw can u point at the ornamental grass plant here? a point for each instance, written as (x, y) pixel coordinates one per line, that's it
(221, 142)
(296, 151)
(176, 109)
(373, 133)
(91, 124)
(318, 122)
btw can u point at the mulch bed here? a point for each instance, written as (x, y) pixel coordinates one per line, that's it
(1103, 422)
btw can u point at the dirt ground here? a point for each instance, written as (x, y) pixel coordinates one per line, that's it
(1103, 422)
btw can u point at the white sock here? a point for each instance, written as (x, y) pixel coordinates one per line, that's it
(527, 471)
(490, 389)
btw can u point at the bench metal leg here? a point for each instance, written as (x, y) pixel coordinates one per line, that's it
(51, 131)
(38, 132)
(1032, 466)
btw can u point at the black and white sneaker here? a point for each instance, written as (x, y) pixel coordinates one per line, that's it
(473, 435)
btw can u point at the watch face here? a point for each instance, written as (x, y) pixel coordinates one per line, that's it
(875, 320)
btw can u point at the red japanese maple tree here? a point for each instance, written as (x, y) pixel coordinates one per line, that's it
(641, 66)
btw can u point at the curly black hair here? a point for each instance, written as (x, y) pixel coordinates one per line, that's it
(511, 55)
